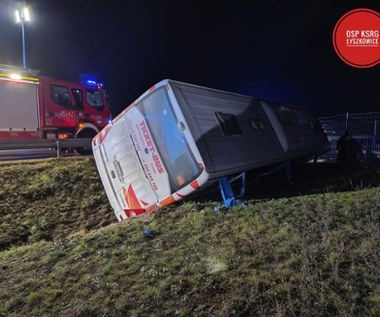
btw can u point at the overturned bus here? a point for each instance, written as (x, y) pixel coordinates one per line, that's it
(178, 138)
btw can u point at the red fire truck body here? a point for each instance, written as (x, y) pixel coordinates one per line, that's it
(37, 107)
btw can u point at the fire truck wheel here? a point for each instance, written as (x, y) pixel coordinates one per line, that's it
(85, 133)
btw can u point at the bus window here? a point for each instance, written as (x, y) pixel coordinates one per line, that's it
(170, 142)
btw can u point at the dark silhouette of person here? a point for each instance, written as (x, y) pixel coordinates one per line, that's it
(340, 142)
(349, 156)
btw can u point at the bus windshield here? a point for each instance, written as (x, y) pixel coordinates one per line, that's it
(170, 141)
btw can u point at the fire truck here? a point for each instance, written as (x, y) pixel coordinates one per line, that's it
(37, 107)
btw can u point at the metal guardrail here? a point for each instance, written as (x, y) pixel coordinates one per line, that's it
(46, 144)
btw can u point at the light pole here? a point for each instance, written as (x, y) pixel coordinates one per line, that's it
(23, 16)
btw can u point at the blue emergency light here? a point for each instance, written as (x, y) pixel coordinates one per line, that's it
(93, 83)
(90, 82)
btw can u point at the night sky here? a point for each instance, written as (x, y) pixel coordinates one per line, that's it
(276, 50)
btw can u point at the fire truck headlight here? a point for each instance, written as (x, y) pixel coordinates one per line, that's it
(62, 136)
(15, 76)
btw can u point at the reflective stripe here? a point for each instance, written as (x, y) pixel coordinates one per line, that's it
(151, 208)
(195, 184)
(133, 212)
(167, 201)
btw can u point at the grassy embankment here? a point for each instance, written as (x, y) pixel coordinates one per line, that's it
(63, 254)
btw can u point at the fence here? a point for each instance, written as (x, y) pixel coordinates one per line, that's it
(364, 127)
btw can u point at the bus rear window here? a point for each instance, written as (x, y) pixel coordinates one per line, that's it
(169, 139)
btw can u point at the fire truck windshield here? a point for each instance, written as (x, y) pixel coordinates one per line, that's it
(169, 139)
(94, 99)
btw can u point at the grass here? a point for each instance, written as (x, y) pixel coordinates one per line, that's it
(47, 199)
(313, 254)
